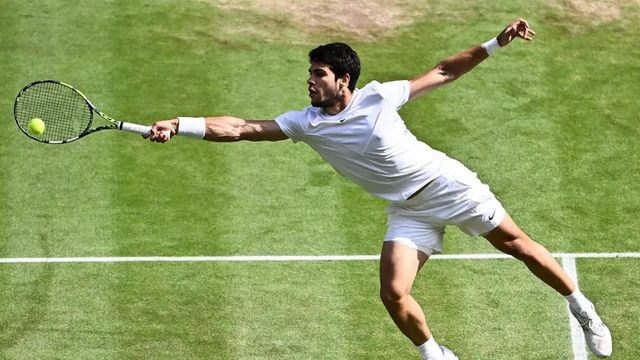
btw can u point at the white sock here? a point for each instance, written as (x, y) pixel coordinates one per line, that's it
(430, 350)
(578, 301)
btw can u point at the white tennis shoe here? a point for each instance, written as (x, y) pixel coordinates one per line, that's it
(596, 333)
(448, 354)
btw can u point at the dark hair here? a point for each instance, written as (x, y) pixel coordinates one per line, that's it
(340, 58)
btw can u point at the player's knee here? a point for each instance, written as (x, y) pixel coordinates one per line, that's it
(520, 248)
(392, 296)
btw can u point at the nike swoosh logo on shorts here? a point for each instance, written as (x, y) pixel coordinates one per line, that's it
(492, 215)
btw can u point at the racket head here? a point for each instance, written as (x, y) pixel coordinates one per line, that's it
(67, 114)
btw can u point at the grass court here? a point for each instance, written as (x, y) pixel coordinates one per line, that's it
(551, 126)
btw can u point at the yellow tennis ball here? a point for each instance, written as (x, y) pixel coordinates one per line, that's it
(36, 126)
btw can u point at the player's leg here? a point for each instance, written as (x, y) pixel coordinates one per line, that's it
(399, 265)
(508, 238)
(487, 217)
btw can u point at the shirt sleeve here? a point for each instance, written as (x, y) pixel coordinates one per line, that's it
(395, 92)
(290, 125)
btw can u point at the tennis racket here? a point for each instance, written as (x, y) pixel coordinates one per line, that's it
(65, 111)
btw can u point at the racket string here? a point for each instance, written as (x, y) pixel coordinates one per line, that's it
(64, 111)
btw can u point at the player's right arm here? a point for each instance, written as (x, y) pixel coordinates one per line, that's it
(223, 129)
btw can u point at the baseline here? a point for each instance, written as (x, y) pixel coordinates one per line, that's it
(281, 258)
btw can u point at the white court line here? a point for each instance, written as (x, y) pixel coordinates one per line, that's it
(285, 258)
(577, 336)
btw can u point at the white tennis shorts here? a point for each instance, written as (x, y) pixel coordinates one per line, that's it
(455, 197)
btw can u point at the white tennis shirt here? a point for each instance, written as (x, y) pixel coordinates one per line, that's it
(368, 142)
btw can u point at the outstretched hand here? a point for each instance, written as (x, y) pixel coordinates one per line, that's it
(162, 131)
(517, 29)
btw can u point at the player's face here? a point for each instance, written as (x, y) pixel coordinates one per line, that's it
(324, 88)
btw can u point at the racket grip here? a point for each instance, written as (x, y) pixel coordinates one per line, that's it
(135, 128)
(139, 129)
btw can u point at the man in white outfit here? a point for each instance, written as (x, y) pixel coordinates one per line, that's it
(360, 133)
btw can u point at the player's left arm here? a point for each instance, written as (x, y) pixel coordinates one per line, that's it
(455, 66)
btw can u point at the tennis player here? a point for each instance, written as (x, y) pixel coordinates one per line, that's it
(360, 133)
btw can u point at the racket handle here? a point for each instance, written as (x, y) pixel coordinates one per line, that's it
(139, 129)
(135, 128)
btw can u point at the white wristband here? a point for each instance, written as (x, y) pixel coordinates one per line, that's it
(491, 46)
(192, 127)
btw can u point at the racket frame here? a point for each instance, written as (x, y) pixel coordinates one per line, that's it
(113, 124)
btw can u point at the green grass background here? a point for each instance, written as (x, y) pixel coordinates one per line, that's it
(551, 125)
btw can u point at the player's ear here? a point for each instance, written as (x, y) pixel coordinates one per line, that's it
(344, 80)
